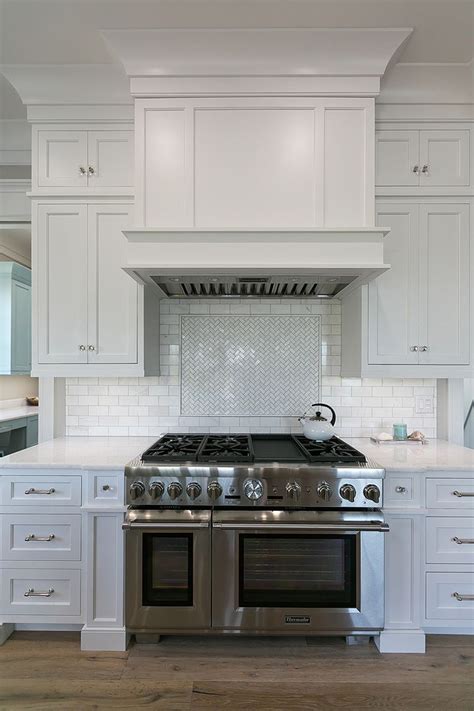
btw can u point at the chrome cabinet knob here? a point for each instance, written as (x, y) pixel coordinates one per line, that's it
(423, 349)
(414, 349)
(425, 170)
(92, 348)
(174, 490)
(214, 490)
(400, 489)
(193, 490)
(91, 170)
(372, 493)
(293, 489)
(137, 489)
(82, 348)
(348, 492)
(324, 491)
(82, 170)
(416, 169)
(253, 489)
(156, 489)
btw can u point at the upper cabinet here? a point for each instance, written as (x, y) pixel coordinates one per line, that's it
(254, 163)
(82, 161)
(15, 319)
(434, 158)
(88, 310)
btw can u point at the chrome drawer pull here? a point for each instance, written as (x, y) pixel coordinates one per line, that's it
(31, 592)
(400, 489)
(463, 493)
(462, 540)
(40, 491)
(32, 537)
(462, 597)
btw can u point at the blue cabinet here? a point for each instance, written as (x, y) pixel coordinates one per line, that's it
(18, 434)
(15, 319)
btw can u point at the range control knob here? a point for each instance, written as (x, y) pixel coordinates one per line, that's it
(348, 492)
(174, 490)
(293, 489)
(137, 489)
(253, 489)
(324, 491)
(193, 490)
(372, 493)
(156, 489)
(214, 490)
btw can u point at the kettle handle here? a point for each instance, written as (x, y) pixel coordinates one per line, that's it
(322, 404)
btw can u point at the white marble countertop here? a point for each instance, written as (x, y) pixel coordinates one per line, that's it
(115, 452)
(14, 413)
(437, 455)
(79, 453)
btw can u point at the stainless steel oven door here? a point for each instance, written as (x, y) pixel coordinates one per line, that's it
(167, 570)
(298, 571)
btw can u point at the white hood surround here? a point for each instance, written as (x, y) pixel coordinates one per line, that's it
(255, 158)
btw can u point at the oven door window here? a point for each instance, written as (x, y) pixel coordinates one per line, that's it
(297, 570)
(168, 569)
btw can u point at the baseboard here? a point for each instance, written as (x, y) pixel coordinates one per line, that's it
(104, 639)
(5, 631)
(401, 642)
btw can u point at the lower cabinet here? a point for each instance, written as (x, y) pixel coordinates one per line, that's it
(37, 591)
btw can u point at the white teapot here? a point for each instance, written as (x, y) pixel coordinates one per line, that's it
(317, 427)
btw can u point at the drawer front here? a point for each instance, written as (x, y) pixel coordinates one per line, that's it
(450, 596)
(106, 489)
(450, 494)
(40, 592)
(54, 490)
(450, 540)
(40, 537)
(402, 491)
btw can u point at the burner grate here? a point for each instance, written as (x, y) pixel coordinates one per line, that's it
(226, 448)
(331, 451)
(178, 447)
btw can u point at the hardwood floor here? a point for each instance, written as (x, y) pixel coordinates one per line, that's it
(46, 671)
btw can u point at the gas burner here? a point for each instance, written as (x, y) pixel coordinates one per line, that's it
(226, 448)
(174, 447)
(333, 450)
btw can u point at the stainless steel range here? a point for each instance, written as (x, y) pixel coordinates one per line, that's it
(254, 534)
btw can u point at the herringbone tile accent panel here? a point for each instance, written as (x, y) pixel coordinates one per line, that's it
(249, 365)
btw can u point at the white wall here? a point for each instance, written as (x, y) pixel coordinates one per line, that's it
(13, 387)
(149, 406)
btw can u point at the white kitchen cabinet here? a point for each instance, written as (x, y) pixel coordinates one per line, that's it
(87, 308)
(422, 158)
(419, 311)
(88, 160)
(254, 163)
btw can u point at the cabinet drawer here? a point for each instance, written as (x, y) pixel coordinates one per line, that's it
(450, 540)
(450, 596)
(105, 489)
(450, 494)
(402, 490)
(40, 591)
(40, 537)
(48, 490)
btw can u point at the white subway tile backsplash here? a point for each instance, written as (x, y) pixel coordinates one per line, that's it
(149, 406)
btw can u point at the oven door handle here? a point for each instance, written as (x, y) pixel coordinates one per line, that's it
(137, 526)
(319, 527)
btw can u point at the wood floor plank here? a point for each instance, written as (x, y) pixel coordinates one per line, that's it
(324, 697)
(65, 695)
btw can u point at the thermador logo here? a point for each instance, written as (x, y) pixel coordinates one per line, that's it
(297, 620)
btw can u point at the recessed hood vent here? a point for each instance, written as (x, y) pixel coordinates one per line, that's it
(248, 287)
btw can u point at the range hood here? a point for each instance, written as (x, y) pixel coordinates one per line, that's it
(324, 263)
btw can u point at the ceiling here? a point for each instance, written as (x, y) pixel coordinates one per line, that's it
(68, 31)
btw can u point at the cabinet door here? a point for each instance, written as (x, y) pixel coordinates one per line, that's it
(61, 156)
(21, 328)
(110, 159)
(397, 158)
(113, 295)
(446, 157)
(444, 284)
(62, 283)
(393, 296)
